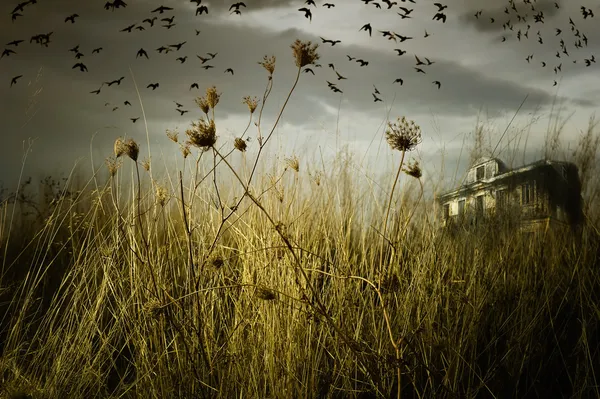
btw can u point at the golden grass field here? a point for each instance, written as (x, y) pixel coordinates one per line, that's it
(227, 281)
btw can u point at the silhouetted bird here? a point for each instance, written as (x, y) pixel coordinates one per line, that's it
(128, 29)
(367, 27)
(229, 70)
(201, 10)
(134, 120)
(332, 42)
(178, 45)
(7, 52)
(14, 80)
(81, 67)
(162, 9)
(142, 53)
(328, 5)
(399, 80)
(14, 43)
(375, 98)
(194, 86)
(152, 86)
(307, 13)
(97, 50)
(71, 18)
(438, 83)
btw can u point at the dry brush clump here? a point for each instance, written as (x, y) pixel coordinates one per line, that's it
(289, 285)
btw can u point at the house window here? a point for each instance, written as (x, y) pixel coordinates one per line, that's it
(502, 198)
(526, 193)
(480, 173)
(479, 205)
(461, 207)
(446, 211)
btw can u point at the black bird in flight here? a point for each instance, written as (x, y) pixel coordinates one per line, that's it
(7, 52)
(332, 42)
(389, 3)
(237, 6)
(178, 105)
(340, 77)
(162, 9)
(14, 43)
(169, 20)
(194, 86)
(127, 103)
(96, 91)
(134, 120)
(399, 80)
(14, 80)
(81, 67)
(212, 55)
(15, 15)
(169, 26)
(20, 7)
(438, 83)
(328, 5)
(400, 51)
(419, 70)
(202, 9)
(375, 98)
(362, 62)
(150, 21)
(117, 81)
(307, 13)
(307, 70)
(178, 45)
(152, 86)
(97, 50)
(229, 70)
(376, 91)
(440, 7)
(142, 53)
(182, 111)
(203, 59)
(440, 16)
(310, 3)
(207, 67)
(181, 59)
(128, 29)
(71, 18)
(367, 27)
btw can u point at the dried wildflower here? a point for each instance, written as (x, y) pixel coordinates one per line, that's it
(173, 135)
(413, 169)
(217, 262)
(212, 97)
(153, 308)
(185, 150)
(113, 164)
(119, 147)
(252, 103)
(240, 144)
(316, 178)
(304, 53)
(161, 195)
(146, 164)
(293, 163)
(131, 149)
(265, 294)
(403, 135)
(269, 64)
(203, 134)
(203, 104)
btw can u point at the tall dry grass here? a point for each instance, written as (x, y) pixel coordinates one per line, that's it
(285, 285)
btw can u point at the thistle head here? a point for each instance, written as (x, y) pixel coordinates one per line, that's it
(203, 134)
(304, 53)
(240, 144)
(252, 103)
(269, 64)
(403, 135)
(212, 97)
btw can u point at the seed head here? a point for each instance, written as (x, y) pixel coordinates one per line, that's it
(252, 103)
(240, 144)
(185, 150)
(203, 104)
(403, 135)
(293, 163)
(173, 135)
(119, 147)
(203, 134)
(304, 53)
(212, 97)
(132, 149)
(269, 64)
(161, 195)
(413, 169)
(113, 164)
(146, 164)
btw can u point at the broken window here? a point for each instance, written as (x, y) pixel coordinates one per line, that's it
(480, 173)
(461, 207)
(526, 193)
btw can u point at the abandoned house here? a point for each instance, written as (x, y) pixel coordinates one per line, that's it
(532, 197)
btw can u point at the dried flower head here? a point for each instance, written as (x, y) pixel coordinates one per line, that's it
(293, 163)
(146, 164)
(185, 150)
(240, 144)
(403, 135)
(265, 294)
(304, 53)
(161, 195)
(131, 149)
(119, 147)
(203, 134)
(113, 164)
(203, 104)
(413, 169)
(212, 97)
(153, 308)
(252, 103)
(173, 135)
(269, 64)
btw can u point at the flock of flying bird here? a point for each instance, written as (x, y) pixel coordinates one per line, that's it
(519, 21)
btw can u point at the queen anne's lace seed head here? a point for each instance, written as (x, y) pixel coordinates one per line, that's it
(403, 135)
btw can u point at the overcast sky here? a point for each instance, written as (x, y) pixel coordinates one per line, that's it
(482, 68)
